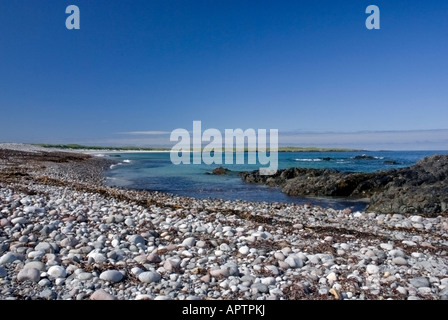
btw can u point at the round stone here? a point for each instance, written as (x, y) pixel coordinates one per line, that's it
(43, 246)
(244, 250)
(30, 274)
(57, 272)
(225, 247)
(372, 269)
(399, 261)
(111, 276)
(129, 222)
(84, 276)
(98, 257)
(7, 258)
(260, 287)
(332, 277)
(19, 220)
(268, 281)
(219, 273)
(137, 239)
(35, 264)
(149, 277)
(189, 242)
(420, 282)
(44, 283)
(294, 261)
(101, 294)
(201, 244)
(172, 264)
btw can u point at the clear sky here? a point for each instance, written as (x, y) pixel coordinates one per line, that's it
(136, 70)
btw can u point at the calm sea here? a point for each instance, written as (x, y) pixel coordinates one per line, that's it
(155, 172)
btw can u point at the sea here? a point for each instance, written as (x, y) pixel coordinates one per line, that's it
(154, 171)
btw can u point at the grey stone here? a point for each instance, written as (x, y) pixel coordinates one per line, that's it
(141, 259)
(444, 292)
(247, 278)
(387, 246)
(420, 282)
(7, 258)
(189, 242)
(129, 222)
(43, 246)
(424, 290)
(201, 244)
(294, 261)
(19, 220)
(149, 277)
(29, 209)
(137, 239)
(272, 269)
(30, 274)
(57, 272)
(84, 276)
(399, 261)
(268, 281)
(232, 267)
(111, 276)
(279, 256)
(372, 269)
(397, 253)
(44, 283)
(48, 294)
(97, 257)
(172, 264)
(225, 247)
(35, 264)
(220, 273)
(3, 272)
(69, 242)
(260, 287)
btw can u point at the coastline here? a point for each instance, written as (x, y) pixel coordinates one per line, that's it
(67, 236)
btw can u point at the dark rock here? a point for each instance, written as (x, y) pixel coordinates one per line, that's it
(390, 162)
(421, 188)
(220, 171)
(364, 157)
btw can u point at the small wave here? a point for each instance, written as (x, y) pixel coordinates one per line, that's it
(308, 160)
(126, 161)
(100, 155)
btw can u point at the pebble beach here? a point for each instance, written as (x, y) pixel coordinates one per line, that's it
(64, 235)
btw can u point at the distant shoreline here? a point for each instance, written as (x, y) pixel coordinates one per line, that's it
(100, 149)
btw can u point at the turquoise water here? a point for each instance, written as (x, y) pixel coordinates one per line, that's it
(156, 172)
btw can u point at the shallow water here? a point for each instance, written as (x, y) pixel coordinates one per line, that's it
(155, 172)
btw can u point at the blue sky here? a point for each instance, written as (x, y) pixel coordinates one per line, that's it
(136, 70)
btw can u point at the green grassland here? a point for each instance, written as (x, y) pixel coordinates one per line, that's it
(131, 148)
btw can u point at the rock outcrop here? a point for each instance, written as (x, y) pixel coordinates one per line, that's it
(421, 188)
(220, 171)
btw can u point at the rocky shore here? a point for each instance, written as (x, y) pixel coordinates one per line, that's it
(418, 189)
(66, 236)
